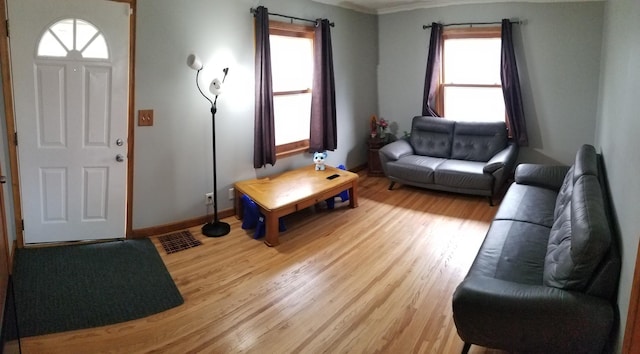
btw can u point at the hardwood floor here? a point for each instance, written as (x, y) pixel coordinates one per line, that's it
(378, 278)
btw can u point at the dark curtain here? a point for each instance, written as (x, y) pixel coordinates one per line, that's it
(323, 135)
(433, 71)
(264, 146)
(511, 87)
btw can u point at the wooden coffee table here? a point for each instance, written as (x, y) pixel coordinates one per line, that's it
(294, 190)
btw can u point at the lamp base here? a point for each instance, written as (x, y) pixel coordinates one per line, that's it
(216, 229)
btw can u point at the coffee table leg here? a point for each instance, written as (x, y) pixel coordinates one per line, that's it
(353, 195)
(238, 204)
(271, 232)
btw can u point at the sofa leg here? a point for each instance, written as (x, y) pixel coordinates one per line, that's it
(490, 201)
(466, 347)
(391, 185)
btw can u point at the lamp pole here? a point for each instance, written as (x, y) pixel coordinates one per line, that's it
(215, 227)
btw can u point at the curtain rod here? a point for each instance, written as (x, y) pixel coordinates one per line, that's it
(253, 11)
(471, 24)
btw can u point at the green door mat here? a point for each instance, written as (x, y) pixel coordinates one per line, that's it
(66, 288)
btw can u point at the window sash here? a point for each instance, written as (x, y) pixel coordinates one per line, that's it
(292, 63)
(462, 68)
(482, 103)
(293, 111)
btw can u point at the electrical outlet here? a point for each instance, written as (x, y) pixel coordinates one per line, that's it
(208, 198)
(231, 193)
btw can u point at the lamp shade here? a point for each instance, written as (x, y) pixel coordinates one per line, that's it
(215, 87)
(194, 62)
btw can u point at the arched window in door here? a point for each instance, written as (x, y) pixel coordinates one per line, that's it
(73, 37)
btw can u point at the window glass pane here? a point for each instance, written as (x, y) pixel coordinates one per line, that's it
(472, 61)
(64, 31)
(97, 49)
(291, 63)
(478, 104)
(85, 36)
(84, 32)
(50, 47)
(292, 117)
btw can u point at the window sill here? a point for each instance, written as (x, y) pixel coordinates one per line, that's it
(290, 149)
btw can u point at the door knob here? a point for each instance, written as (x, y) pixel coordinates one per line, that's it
(119, 158)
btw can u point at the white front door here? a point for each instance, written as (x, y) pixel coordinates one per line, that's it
(70, 79)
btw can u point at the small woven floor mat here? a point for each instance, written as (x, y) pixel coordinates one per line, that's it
(178, 241)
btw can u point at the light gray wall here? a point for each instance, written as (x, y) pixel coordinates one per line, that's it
(173, 168)
(617, 131)
(558, 52)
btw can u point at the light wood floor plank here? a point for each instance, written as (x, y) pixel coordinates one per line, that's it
(375, 279)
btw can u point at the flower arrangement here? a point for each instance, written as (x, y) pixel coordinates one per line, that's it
(382, 128)
(378, 127)
(382, 124)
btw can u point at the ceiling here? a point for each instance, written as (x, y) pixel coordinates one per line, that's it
(389, 6)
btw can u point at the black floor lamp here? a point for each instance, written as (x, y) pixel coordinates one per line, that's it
(214, 228)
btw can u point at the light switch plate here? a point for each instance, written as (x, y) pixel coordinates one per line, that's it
(145, 117)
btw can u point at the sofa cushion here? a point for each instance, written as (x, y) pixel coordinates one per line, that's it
(463, 174)
(414, 168)
(530, 204)
(586, 163)
(564, 195)
(431, 136)
(546, 176)
(579, 238)
(512, 251)
(478, 141)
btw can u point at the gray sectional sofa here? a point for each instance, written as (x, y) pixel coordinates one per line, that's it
(545, 277)
(462, 157)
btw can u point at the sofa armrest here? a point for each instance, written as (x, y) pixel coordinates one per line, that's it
(501, 166)
(546, 176)
(396, 150)
(505, 158)
(518, 317)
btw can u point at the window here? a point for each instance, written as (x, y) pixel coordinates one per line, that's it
(292, 74)
(73, 37)
(471, 88)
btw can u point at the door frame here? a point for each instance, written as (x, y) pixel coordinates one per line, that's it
(5, 256)
(9, 111)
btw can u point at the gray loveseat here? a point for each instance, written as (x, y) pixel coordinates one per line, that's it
(545, 277)
(462, 157)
